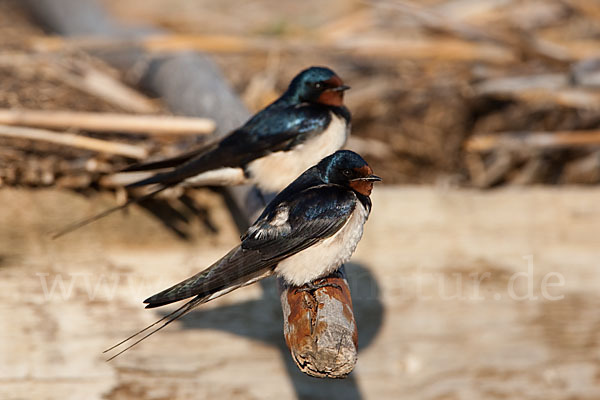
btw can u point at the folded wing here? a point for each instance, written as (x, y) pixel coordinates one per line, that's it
(290, 227)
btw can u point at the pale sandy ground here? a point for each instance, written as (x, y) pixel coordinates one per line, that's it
(427, 329)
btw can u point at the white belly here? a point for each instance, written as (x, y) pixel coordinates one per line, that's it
(326, 256)
(274, 172)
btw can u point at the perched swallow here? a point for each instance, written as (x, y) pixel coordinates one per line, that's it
(308, 122)
(307, 231)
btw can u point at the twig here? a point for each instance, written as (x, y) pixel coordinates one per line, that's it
(427, 48)
(585, 7)
(433, 21)
(532, 172)
(381, 46)
(540, 89)
(345, 25)
(521, 41)
(90, 76)
(532, 140)
(585, 170)
(501, 164)
(107, 122)
(69, 139)
(84, 76)
(452, 49)
(159, 43)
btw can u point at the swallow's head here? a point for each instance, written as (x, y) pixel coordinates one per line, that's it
(346, 168)
(318, 85)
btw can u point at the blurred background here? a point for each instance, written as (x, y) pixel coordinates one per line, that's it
(477, 276)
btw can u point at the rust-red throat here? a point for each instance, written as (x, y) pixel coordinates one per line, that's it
(332, 97)
(363, 187)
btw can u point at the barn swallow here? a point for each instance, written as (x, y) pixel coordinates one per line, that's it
(307, 231)
(308, 122)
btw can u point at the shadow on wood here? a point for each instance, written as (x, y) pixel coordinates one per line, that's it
(261, 320)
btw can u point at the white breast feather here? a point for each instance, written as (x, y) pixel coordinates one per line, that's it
(277, 170)
(326, 256)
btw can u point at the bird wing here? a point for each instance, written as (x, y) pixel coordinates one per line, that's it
(291, 227)
(300, 221)
(268, 131)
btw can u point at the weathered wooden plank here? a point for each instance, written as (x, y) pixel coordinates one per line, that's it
(430, 283)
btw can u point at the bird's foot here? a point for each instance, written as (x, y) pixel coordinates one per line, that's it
(313, 286)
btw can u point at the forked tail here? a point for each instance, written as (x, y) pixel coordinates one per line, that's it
(178, 313)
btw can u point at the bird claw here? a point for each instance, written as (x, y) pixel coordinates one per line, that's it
(312, 287)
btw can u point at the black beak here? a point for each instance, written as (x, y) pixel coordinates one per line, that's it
(340, 88)
(369, 178)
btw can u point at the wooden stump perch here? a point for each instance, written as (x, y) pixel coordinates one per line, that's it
(319, 327)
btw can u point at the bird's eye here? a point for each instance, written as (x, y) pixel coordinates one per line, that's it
(346, 172)
(318, 85)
